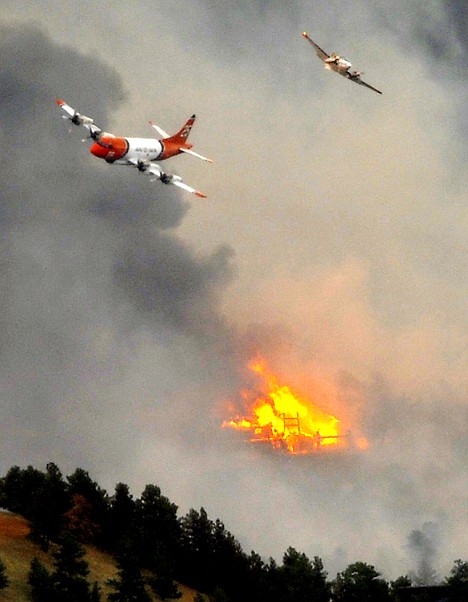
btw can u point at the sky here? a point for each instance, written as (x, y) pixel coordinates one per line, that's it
(332, 242)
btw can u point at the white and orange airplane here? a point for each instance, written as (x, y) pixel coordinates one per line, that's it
(138, 152)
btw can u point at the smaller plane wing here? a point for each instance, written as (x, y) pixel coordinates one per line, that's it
(78, 119)
(356, 78)
(320, 53)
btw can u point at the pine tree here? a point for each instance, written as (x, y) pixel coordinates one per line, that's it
(40, 580)
(71, 571)
(130, 585)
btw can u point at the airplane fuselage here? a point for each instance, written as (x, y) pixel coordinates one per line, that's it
(339, 65)
(116, 149)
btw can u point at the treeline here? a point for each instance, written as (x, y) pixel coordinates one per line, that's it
(155, 548)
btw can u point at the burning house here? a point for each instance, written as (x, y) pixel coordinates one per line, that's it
(278, 417)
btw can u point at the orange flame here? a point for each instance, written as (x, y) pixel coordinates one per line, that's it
(287, 421)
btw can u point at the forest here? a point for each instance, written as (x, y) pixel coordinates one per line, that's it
(155, 550)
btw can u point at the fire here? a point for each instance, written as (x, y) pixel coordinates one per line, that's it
(282, 418)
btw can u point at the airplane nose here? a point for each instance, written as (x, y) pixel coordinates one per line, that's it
(98, 150)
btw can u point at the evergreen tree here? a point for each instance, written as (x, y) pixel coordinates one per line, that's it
(229, 562)
(130, 585)
(48, 504)
(197, 568)
(165, 588)
(256, 579)
(300, 579)
(158, 530)
(40, 497)
(4, 581)
(71, 571)
(120, 526)
(41, 582)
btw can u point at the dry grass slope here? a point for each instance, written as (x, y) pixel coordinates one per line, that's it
(17, 551)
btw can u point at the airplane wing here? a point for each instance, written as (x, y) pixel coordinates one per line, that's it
(184, 186)
(78, 119)
(320, 53)
(153, 169)
(357, 80)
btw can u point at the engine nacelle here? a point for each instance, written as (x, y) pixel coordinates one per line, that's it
(143, 165)
(79, 119)
(169, 178)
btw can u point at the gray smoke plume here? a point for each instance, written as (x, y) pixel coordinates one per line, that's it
(422, 546)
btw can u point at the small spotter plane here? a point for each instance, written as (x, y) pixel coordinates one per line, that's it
(138, 152)
(337, 63)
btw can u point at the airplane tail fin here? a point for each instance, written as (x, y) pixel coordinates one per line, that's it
(183, 133)
(179, 141)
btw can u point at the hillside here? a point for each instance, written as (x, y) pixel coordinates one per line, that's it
(17, 551)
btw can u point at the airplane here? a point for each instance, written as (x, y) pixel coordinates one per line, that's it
(138, 152)
(339, 64)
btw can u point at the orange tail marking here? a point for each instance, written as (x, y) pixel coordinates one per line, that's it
(183, 133)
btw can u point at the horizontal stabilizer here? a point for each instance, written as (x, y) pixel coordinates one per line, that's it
(191, 152)
(159, 130)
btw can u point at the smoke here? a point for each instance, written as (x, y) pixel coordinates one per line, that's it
(422, 546)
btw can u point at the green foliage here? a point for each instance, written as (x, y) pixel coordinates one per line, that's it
(40, 580)
(219, 595)
(158, 529)
(211, 556)
(298, 579)
(402, 581)
(194, 549)
(121, 517)
(360, 582)
(68, 581)
(39, 497)
(165, 588)
(4, 581)
(458, 580)
(71, 571)
(130, 585)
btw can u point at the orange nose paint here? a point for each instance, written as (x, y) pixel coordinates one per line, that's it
(109, 147)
